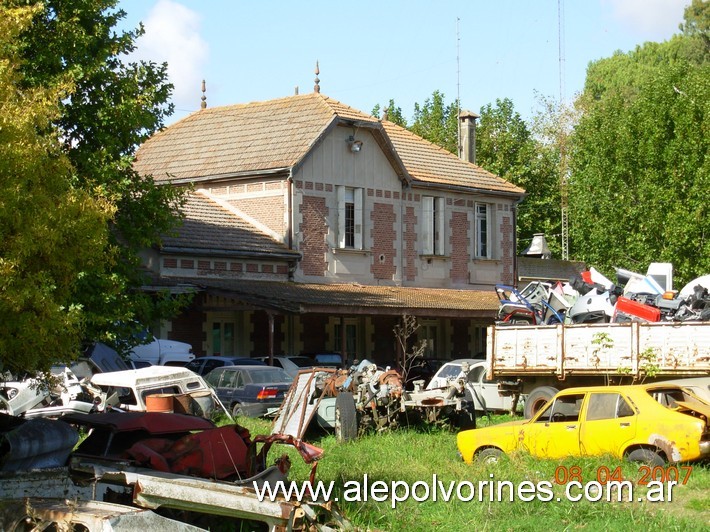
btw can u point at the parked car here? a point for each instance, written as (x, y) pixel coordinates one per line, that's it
(328, 360)
(651, 423)
(203, 365)
(129, 390)
(484, 392)
(250, 390)
(290, 364)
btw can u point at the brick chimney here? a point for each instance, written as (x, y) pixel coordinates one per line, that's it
(467, 128)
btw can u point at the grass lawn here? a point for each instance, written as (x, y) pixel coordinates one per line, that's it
(415, 455)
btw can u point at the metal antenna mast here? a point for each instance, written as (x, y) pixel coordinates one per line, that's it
(562, 133)
(458, 92)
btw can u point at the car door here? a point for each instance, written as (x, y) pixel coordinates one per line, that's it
(609, 422)
(554, 432)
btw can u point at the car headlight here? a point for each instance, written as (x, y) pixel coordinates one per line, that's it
(10, 393)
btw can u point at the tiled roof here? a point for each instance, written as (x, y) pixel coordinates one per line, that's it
(355, 298)
(430, 163)
(210, 228)
(278, 134)
(256, 136)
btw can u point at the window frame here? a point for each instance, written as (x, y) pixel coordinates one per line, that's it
(350, 217)
(482, 225)
(433, 226)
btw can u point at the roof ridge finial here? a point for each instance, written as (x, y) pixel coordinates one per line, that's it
(203, 104)
(316, 88)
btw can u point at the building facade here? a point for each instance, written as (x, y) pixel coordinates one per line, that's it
(314, 227)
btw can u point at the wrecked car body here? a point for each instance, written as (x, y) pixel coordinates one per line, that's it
(654, 424)
(181, 466)
(161, 388)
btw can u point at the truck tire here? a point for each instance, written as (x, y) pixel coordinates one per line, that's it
(345, 417)
(537, 399)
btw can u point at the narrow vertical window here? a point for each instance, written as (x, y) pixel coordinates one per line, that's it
(433, 217)
(350, 217)
(482, 231)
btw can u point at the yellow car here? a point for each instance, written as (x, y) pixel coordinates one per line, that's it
(651, 423)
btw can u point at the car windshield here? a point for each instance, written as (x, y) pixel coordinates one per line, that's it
(449, 371)
(269, 376)
(302, 362)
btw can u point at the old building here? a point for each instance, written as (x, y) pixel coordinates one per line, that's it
(314, 227)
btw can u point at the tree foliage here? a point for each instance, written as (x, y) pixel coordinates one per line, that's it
(114, 106)
(508, 147)
(392, 112)
(50, 232)
(640, 169)
(437, 122)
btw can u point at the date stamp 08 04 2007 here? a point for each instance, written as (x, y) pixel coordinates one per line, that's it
(678, 474)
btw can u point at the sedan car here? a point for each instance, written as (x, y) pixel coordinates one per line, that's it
(249, 390)
(203, 365)
(651, 423)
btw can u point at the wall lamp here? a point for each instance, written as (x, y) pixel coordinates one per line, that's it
(355, 145)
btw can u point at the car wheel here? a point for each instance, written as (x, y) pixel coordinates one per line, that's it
(537, 399)
(237, 410)
(345, 417)
(491, 455)
(646, 456)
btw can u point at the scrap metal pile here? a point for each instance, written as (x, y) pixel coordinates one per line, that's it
(365, 398)
(165, 470)
(592, 298)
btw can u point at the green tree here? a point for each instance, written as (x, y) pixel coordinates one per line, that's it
(640, 172)
(50, 232)
(115, 106)
(507, 147)
(437, 122)
(392, 113)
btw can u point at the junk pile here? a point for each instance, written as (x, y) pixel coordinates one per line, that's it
(368, 398)
(592, 298)
(181, 470)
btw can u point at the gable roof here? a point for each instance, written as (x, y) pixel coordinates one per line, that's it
(210, 229)
(428, 163)
(276, 135)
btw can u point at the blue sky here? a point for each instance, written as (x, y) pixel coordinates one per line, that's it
(373, 51)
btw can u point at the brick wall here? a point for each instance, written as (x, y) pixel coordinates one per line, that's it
(460, 240)
(187, 327)
(506, 231)
(313, 230)
(410, 244)
(383, 241)
(268, 210)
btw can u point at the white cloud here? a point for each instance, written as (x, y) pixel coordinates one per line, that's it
(172, 34)
(651, 19)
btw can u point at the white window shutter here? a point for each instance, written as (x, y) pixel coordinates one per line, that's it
(440, 226)
(358, 200)
(340, 196)
(427, 225)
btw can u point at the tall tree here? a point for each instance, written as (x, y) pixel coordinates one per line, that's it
(437, 122)
(506, 146)
(392, 112)
(114, 107)
(640, 167)
(50, 233)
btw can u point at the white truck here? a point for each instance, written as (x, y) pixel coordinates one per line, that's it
(538, 361)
